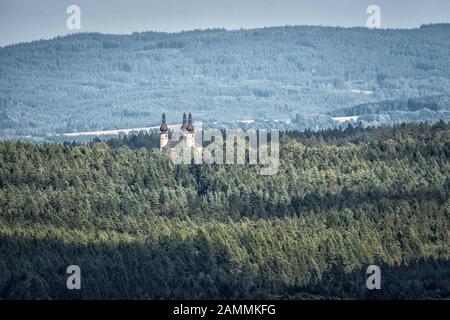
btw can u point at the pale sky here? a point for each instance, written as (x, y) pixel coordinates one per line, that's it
(26, 20)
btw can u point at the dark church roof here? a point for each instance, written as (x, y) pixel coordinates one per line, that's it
(164, 127)
(184, 125)
(187, 125)
(190, 127)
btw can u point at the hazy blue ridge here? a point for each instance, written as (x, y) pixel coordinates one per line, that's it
(93, 81)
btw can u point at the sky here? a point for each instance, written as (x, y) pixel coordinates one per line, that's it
(27, 20)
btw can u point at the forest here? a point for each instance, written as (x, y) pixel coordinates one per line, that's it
(141, 227)
(93, 81)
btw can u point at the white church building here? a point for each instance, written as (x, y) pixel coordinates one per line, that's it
(186, 135)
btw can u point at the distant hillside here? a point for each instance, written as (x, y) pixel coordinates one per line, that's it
(93, 81)
(434, 103)
(428, 108)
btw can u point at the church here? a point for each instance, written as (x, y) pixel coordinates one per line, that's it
(186, 135)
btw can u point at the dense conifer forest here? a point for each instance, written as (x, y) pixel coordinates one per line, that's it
(141, 227)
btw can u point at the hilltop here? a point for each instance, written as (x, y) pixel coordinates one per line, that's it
(93, 81)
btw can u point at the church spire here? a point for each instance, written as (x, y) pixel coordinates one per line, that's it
(163, 127)
(184, 125)
(190, 127)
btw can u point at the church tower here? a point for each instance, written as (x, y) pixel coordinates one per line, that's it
(184, 125)
(187, 137)
(164, 135)
(190, 135)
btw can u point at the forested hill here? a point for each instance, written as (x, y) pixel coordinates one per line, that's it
(141, 227)
(388, 112)
(94, 81)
